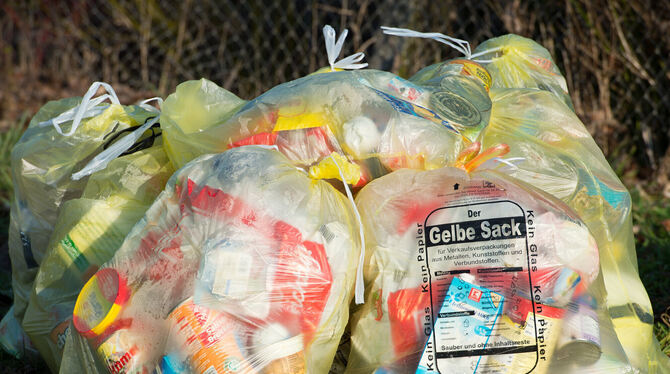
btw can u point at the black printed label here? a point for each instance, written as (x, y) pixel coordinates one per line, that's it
(477, 265)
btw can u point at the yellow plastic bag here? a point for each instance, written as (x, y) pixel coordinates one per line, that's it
(194, 107)
(373, 119)
(480, 273)
(243, 263)
(42, 163)
(517, 62)
(532, 112)
(88, 232)
(554, 152)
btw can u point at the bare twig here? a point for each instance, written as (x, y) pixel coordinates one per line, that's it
(629, 55)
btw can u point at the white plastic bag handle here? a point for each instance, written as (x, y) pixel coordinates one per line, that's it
(460, 45)
(484, 52)
(333, 49)
(360, 284)
(100, 161)
(145, 104)
(501, 163)
(93, 110)
(87, 108)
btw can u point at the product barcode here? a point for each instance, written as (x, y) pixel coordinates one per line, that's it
(328, 235)
(398, 275)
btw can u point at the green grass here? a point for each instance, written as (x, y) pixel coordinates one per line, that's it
(651, 219)
(663, 333)
(8, 138)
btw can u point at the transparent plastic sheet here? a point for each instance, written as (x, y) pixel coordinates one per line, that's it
(243, 264)
(375, 121)
(195, 106)
(14, 340)
(561, 158)
(88, 232)
(478, 273)
(42, 162)
(517, 62)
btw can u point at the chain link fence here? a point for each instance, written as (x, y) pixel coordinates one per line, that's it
(614, 53)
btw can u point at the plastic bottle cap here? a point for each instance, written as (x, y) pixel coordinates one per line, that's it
(100, 302)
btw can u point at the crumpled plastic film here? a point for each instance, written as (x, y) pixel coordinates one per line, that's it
(478, 273)
(14, 340)
(517, 62)
(42, 162)
(243, 264)
(88, 232)
(378, 121)
(558, 155)
(194, 107)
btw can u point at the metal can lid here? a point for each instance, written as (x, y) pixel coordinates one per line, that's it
(582, 352)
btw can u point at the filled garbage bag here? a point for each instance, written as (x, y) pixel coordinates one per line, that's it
(87, 234)
(42, 163)
(556, 153)
(243, 264)
(478, 273)
(517, 62)
(373, 121)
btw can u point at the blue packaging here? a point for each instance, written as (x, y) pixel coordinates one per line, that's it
(461, 329)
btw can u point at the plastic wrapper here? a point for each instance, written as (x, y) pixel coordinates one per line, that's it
(42, 162)
(243, 264)
(88, 232)
(14, 340)
(517, 62)
(478, 273)
(374, 121)
(555, 153)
